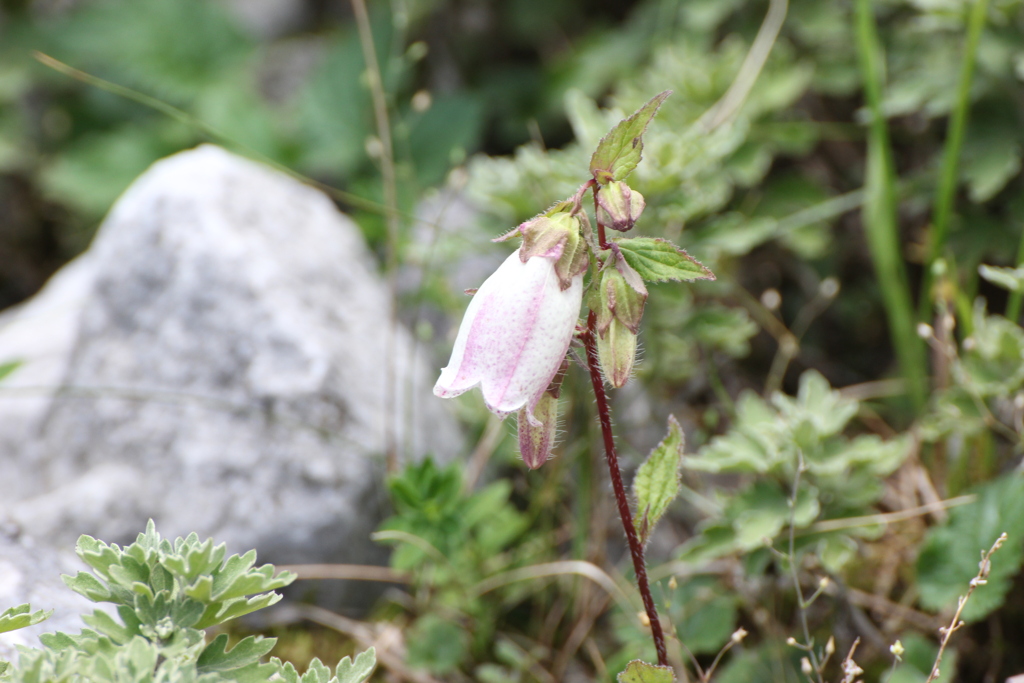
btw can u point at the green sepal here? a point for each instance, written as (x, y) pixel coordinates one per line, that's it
(620, 150)
(658, 260)
(558, 233)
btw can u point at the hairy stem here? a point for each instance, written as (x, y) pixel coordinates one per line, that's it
(635, 548)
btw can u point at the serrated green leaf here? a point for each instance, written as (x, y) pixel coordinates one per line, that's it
(357, 671)
(949, 556)
(20, 617)
(89, 586)
(105, 624)
(657, 481)
(316, 672)
(219, 612)
(216, 657)
(286, 670)
(659, 260)
(620, 151)
(642, 672)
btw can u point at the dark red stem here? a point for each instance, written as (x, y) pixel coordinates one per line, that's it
(635, 548)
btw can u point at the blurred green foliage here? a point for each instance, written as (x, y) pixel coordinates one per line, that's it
(165, 593)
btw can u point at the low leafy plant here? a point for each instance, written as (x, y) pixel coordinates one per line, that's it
(165, 593)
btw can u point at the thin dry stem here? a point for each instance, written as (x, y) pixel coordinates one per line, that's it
(390, 185)
(802, 604)
(979, 580)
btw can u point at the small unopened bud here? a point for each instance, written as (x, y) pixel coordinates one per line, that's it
(644, 619)
(738, 635)
(924, 331)
(805, 666)
(618, 206)
(897, 650)
(823, 582)
(829, 287)
(672, 583)
(616, 349)
(537, 430)
(791, 641)
(830, 646)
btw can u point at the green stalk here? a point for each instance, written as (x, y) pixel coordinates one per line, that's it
(946, 191)
(1013, 303)
(879, 214)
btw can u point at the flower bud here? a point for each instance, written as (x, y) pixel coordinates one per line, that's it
(616, 349)
(618, 207)
(537, 430)
(620, 300)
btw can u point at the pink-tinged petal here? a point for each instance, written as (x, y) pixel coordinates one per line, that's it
(514, 336)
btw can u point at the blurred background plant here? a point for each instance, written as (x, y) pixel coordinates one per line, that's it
(850, 386)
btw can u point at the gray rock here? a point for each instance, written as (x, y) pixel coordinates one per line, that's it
(30, 572)
(216, 361)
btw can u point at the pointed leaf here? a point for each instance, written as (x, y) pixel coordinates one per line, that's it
(657, 481)
(89, 586)
(359, 670)
(216, 656)
(642, 672)
(659, 260)
(20, 617)
(316, 672)
(619, 152)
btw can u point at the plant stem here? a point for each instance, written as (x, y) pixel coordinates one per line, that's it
(795, 573)
(390, 186)
(881, 225)
(1013, 303)
(955, 131)
(635, 548)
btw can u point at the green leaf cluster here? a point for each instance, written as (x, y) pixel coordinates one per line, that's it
(160, 586)
(348, 670)
(453, 539)
(18, 617)
(165, 593)
(950, 553)
(840, 476)
(986, 375)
